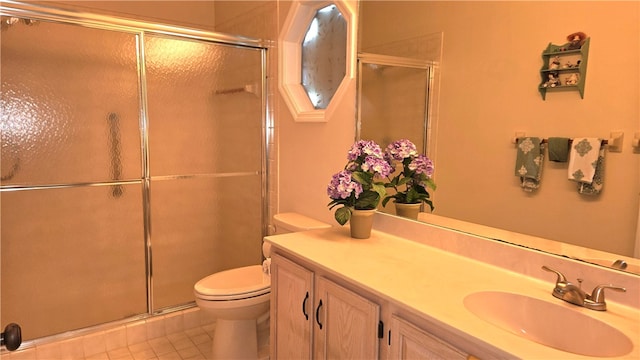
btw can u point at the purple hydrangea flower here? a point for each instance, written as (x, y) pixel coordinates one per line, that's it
(376, 165)
(400, 150)
(422, 165)
(364, 147)
(342, 185)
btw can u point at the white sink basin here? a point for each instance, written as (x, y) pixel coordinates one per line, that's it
(549, 324)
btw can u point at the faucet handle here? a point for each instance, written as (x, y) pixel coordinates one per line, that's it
(597, 296)
(560, 289)
(561, 278)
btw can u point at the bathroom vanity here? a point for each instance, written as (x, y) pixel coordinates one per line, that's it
(391, 297)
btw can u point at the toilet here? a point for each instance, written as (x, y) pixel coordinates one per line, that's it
(238, 297)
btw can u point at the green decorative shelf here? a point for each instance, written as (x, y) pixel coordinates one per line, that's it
(577, 59)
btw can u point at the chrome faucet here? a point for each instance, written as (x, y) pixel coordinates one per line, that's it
(569, 292)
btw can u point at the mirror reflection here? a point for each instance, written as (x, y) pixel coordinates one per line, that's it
(324, 54)
(485, 91)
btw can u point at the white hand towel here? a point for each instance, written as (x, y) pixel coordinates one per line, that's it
(583, 159)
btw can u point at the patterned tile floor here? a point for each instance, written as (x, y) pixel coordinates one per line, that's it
(190, 344)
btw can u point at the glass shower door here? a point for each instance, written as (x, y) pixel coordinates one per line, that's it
(71, 195)
(205, 162)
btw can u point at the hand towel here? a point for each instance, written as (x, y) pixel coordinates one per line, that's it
(583, 159)
(558, 149)
(595, 186)
(529, 162)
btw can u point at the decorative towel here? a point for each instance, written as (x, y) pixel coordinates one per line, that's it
(559, 149)
(529, 162)
(595, 186)
(583, 159)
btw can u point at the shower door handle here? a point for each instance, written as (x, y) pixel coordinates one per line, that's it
(115, 152)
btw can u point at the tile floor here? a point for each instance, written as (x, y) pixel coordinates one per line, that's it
(127, 343)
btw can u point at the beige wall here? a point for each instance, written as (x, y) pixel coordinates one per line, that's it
(491, 59)
(195, 14)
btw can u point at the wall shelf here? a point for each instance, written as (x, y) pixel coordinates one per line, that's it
(572, 66)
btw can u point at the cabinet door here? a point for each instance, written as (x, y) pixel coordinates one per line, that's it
(291, 306)
(346, 324)
(411, 342)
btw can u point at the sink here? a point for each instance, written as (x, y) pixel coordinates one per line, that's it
(549, 324)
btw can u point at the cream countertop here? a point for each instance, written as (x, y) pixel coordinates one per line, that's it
(432, 282)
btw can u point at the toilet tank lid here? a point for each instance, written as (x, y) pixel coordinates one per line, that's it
(298, 222)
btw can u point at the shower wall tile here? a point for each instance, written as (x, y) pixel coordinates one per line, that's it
(155, 327)
(115, 338)
(173, 323)
(136, 332)
(191, 318)
(49, 351)
(94, 343)
(70, 349)
(29, 354)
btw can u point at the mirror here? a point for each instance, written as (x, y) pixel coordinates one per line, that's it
(485, 91)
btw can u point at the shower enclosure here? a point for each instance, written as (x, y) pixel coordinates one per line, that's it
(132, 165)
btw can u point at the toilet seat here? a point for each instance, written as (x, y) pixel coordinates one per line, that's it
(240, 283)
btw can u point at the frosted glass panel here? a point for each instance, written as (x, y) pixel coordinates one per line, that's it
(204, 107)
(200, 226)
(70, 105)
(71, 257)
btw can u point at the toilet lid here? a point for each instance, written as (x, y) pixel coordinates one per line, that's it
(239, 283)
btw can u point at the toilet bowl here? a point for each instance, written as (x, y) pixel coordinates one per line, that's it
(238, 297)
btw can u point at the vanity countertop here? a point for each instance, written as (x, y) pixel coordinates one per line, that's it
(433, 282)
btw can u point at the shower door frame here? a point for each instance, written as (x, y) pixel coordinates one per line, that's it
(139, 29)
(395, 61)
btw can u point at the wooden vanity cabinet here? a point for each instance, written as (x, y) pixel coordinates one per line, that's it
(315, 318)
(408, 341)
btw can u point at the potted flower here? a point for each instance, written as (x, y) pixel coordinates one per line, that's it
(354, 188)
(414, 177)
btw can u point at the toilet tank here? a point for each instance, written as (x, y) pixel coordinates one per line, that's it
(291, 222)
(294, 222)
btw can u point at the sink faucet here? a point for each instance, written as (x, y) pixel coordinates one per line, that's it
(569, 292)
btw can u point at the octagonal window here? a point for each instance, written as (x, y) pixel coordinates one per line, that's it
(324, 56)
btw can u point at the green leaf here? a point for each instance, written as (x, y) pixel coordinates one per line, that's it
(367, 200)
(431, 184)
(343, 215)
(430, 203)
(363, 178)
(386, 200)
(380, 189)
(404, 181)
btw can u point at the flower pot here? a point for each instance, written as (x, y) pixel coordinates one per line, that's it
(361, 222)
(409, 211)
